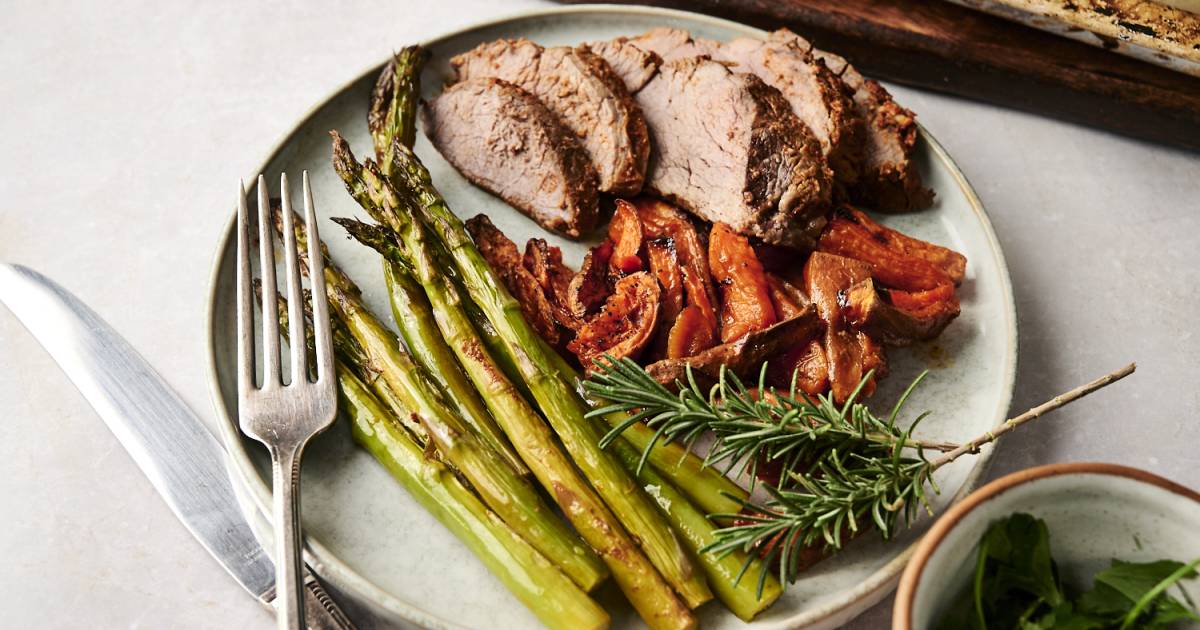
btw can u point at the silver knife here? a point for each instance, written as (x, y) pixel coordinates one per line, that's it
(184, 462)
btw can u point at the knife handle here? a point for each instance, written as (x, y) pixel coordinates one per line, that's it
(320, 611)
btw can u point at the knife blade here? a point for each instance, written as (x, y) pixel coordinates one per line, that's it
(168, 442)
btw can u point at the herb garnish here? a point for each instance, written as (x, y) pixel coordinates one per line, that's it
(843, 467)
(1017, 585)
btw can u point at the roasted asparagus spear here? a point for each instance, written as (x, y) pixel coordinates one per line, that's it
(555, 600)
(502, 489)
(545, 590)
(650, 595)
(425, 343)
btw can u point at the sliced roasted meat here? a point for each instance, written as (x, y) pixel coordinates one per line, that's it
(818, 96)
(890, 264)
(742, 357)
(624, 326)
(586, 95)
(625, 232)
(674, 43)
(696, 327)
(636, 66)
(866, 310)
(728, 148)
(889, 179)
(849, 353)
(745, 293)
(502, 256)
(504, 140)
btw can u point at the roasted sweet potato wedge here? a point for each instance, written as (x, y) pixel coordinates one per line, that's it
(665, 268)
(692, 333)
(502, 255)
(866, 310)
(848, 352)
(743, 356)
(807, 362)
(787, 298)
(546, 265)
(951, 262)
(745, 295)
(923, 303)
(662, 220)
(589, 288)
(890, 267)
(625, 231)
(624, 326)
(660, 254)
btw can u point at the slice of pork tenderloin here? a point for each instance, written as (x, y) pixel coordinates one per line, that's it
(588, 97)
(504, 140)
(636, 66)
(728, 148)
(890, 180)
(675, 43)
(819, 98)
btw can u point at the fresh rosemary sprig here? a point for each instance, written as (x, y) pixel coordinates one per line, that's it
(846, 464)
(749, 426)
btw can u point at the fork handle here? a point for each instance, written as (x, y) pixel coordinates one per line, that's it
(289, 577)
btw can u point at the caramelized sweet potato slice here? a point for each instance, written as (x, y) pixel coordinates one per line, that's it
(502, 255)
(692, 333)
(743, 356)
(787, 298)
(625, 231)
(866, 310)
(662, 220)
(665, 268)
(546, 265)
(949, 261)
(746, 297)
(590, 287)
(660, 253)
(807, 362)
(848, 352)
(924, 303)
(890, 267)
(812, 370)
(624, 326)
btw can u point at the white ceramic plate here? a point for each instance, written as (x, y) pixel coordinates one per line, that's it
(365, 534)
(1094, 512)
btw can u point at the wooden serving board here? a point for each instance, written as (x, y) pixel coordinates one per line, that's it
(950, 48)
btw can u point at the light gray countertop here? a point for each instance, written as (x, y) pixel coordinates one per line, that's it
(126, 127)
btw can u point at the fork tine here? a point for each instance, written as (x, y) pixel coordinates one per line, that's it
(270, 295)
(322, 335)
(245, 312)
(296, 340)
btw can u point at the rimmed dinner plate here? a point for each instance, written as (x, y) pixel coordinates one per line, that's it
(367, 537)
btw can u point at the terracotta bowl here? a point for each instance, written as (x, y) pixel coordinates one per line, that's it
(1095, 512)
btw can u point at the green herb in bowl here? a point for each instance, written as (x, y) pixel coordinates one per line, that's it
(1017, 585)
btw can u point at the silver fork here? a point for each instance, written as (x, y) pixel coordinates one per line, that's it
(284, 417)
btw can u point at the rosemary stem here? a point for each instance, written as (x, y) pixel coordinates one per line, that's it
(926, 444)
(1050, 405)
